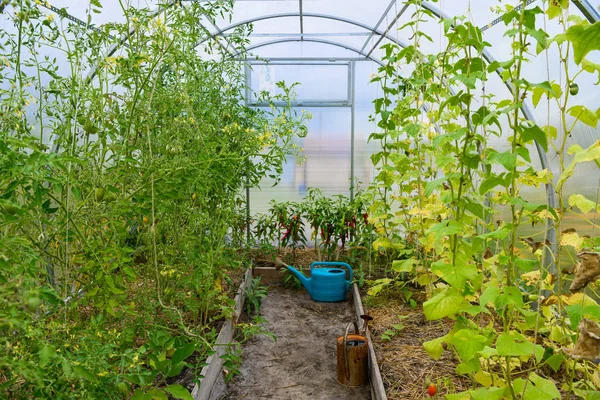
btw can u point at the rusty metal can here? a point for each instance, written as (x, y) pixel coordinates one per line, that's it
(352, 358)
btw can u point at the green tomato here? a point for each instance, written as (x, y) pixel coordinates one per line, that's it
(574, 89)
(89, 127)
(99, 194)
(33, 303)
(533, 297)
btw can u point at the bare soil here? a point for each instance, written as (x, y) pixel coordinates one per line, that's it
(301, 364)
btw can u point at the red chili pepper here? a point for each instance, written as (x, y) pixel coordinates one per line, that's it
(366, 218)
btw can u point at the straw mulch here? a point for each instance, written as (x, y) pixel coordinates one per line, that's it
(405, 366)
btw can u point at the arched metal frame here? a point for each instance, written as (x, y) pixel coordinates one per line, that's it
(367, 27)
(583, 5)
(323, 41)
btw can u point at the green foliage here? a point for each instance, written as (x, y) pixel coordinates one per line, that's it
(440, 186)
(119, 206)
(336, 223)
(255, 293)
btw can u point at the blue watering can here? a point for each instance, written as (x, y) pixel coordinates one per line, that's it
(324, 284)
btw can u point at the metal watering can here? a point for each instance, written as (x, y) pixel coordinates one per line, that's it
(353, 355)
(324, 284)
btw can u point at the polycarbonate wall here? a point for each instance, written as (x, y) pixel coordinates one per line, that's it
(326, 160)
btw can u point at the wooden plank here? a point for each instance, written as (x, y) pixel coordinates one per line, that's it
(211, 371)
(377, 388)
(268, 275)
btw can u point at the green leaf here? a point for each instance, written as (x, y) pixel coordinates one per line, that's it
(584, 205)
(592, 68)
(445, 304)
(434, 347)
(179, 392)
(183, 353)
(585, 38)
(380, 284)
(587, 394)
(555, 361)
(491, 393)
(468, 367)
(491, 182)
(537, 134)
(155, 394)
(404, 265)
(507, 159)
(431, 186)
(584, 115)
(46, 353)
(445, 228)
(458, 396)
(577, 311)
(457, 276)
(592, 153)
(467, 343)
(489, 296)
(513, 346)
(538, 388)
(84, 373)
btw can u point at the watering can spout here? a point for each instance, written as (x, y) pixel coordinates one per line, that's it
(303, 279)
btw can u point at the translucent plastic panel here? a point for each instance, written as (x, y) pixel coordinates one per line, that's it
(365, 93)
(366, 12)
(320, 82)
(294, 48)
(326, 165)
(246, 10)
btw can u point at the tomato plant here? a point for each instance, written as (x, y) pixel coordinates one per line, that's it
(119, 207)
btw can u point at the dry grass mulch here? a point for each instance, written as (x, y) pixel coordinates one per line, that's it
(405, 367)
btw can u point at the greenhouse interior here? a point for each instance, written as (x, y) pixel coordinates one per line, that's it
(300, 199)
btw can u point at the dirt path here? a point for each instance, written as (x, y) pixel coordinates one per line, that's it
(302, 364)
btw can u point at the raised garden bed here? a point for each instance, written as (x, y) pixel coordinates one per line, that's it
(301, 363)
(215, 362)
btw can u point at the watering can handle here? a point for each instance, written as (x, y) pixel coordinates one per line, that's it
(345, 344)
(333, 264)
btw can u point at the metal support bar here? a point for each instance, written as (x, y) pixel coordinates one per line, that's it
(317, 34)
(303, 60)
(61, 12)
(499, 19)
(387, 10)
(301, 21)
(352, 124)
(329, 42)
(304, 15)
(234, 52)
(385, 34)
(587, 10)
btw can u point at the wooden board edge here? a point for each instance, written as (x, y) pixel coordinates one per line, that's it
(214, 362)
(377, 388)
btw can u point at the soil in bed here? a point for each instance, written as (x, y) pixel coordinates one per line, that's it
(301, 364)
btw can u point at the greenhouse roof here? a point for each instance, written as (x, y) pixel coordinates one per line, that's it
(321, 29)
